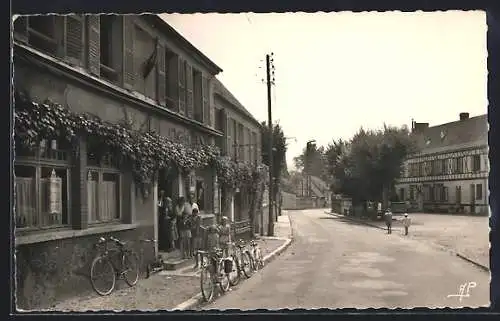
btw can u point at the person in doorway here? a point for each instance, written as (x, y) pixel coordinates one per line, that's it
(406, 223)
(188, 219)
(162, 221)
(225, 235)
(172, 224)
(388, 220)
(185, 233)
(179, 211)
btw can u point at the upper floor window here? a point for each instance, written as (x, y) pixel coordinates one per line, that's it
(110, 44)
(198, 95)
(476, 163)
(39, 32)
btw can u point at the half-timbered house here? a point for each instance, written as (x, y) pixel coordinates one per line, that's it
(450, 171)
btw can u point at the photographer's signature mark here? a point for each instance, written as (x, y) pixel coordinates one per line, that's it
(463, 291)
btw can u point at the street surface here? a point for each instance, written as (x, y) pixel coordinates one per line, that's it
(336, 264)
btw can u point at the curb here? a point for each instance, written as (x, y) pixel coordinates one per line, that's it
(463, 257)
(198, 298)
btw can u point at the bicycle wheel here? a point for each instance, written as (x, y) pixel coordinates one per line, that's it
(260, 260)
(234, 275)
(130, 266)
(246, 261)
(101, 271)
(207, 283)
(224, 282)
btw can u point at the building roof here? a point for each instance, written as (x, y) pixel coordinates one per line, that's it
(459, 134)
(163, 26)
(223, 92)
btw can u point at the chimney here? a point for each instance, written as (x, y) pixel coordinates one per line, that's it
(464, 116)
(420, 127)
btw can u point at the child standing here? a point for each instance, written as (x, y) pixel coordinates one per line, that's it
(388, 221)
(212, 237)
(225, 235)
(197, 234)
(406, 223)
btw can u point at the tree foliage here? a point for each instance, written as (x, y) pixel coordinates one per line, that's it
(144, 153)
(279, 149)
(317, 161)
(369, 163)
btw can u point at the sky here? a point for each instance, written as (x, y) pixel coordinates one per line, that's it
(336, 72)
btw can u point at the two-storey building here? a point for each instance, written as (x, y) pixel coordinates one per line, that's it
(242, 142)
(132, 69)
(450, 171)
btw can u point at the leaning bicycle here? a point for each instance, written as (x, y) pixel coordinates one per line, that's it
(215, 271)
(110, 264)
(243, 259)
(256, 255)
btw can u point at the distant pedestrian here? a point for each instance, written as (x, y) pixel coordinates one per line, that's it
(406, 223)
(388, 220)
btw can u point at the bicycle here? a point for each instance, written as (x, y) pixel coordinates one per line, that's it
(256, 255)
(215, 269)
(128, 262)
(243, 258)
(157, 265)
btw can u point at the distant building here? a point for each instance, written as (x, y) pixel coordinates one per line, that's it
(313, 193)
(450, 171)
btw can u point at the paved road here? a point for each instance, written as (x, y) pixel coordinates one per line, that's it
(336, 264)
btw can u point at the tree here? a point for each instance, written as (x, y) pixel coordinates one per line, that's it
(316, 156)
(279, 151)
(367, 166)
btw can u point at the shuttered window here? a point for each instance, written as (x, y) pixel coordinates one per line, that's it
(230, 137)
(74, 36)
(128, 54)
(172, 86)
(94, 44)
(190, 79)
(198, 99)
(161, 82)
(110, 43)
(182, 86)
(40, 32)
(207, 113)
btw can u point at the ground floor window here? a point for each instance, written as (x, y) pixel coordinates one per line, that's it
(41, 196)
(479, 192)
(103, 190)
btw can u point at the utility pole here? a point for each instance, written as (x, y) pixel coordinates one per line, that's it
(270, 229)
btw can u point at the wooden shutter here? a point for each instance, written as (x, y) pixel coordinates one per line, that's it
(173, 82)
(206, 101)
(160, 79)
(74, 38)
(224, 126)
(94, 44)
(230, 137)
(189, 91)
(128, 52)
(182, 86)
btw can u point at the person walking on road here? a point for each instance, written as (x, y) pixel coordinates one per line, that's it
(388, 221)
(406, 223)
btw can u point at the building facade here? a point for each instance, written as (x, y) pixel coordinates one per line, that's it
(450, 171)
(128, 69)
(241, 141)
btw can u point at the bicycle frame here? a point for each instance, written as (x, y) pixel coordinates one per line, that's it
(109, 255)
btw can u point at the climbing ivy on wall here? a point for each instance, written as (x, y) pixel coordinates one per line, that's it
(144, 152)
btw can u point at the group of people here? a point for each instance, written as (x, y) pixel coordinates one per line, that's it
(180, 227)
(388, 220)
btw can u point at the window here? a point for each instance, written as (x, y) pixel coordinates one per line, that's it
(241, 143)
(172, 84)
(182, 87)
(103, 188)
(255, 147)
(479, 191)
(38, 31)
(412, 192)
(476, 163)
(42, 186)
(460, 165)
(236, 138)
(205, 88)
(198, 98)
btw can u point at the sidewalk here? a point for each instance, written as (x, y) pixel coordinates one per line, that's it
(466, 236)
(168, 290)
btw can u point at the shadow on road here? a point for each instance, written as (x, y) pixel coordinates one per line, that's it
(345, 220)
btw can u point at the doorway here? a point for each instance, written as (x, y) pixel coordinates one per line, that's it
(166, 180)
